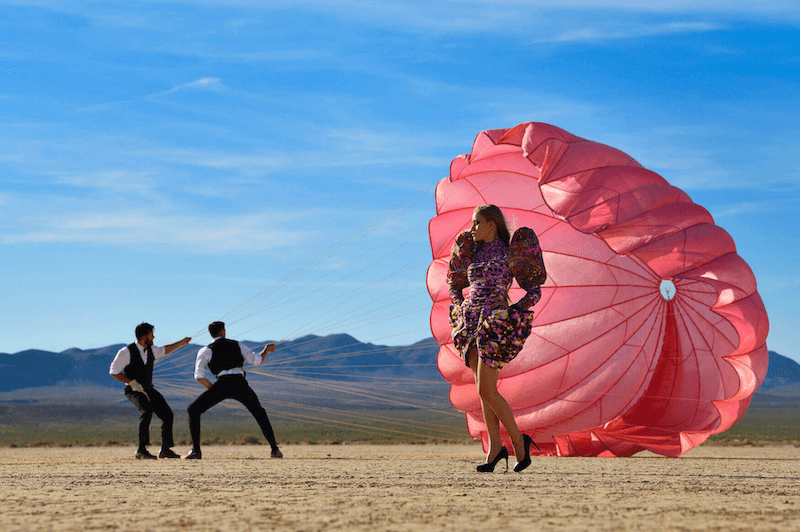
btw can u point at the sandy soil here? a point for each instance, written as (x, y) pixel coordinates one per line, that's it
(402, 487)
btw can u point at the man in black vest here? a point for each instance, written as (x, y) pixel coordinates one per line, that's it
(225, 358)
(133, 366)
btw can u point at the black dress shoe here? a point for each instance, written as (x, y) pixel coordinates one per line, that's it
(144, 455)
(168, 453)
(193, 455)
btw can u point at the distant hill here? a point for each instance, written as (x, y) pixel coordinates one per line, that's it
(334, 357)
(782, 384)
(337, 357)
(782, 371)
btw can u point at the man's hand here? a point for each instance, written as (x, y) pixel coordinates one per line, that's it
(135, 386)
(177, 345)
(269, 348)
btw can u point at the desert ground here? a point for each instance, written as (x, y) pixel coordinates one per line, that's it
(395, 487)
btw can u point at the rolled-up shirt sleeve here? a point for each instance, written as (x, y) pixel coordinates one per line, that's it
(201, 370)
(122, 359)
(159, 351)
(249, 356)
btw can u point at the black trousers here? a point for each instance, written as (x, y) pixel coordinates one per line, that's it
(229, 387)
(152, 403)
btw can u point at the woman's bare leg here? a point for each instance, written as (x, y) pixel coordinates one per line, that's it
(491, 400)
(491, 420)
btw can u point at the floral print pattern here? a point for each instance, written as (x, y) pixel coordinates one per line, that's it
(484, 317)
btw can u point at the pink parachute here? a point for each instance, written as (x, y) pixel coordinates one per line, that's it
(650, 334)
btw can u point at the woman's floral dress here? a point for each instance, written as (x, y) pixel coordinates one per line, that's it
(484, 318)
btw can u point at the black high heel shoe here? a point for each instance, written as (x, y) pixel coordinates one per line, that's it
(527, 441)
(488, 467)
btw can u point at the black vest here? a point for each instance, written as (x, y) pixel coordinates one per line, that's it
(138, 370)
(225, 354)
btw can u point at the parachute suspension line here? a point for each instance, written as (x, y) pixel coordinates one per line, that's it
(424, 398)
(359, 389)
(189, 391)
(372, 391)
(338, 247)
(359, 427)
(349, 389)
(357, 235)
(372, 378)
(387, 317)
(361, 413)
(320, 355)
(314, 354)
(300, 344)
(341, 322)
(450, 431)
(372, 416)
(343, 244)
(403, 397)
(333, 321)
(186, 391)
(353, 295)
(282, 300)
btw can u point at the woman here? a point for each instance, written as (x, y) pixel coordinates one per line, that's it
(487, 331)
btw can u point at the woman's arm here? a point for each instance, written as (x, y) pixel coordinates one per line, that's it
(460, 258)
(527, 265)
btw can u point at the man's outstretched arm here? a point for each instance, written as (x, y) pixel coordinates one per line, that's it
(180, 343)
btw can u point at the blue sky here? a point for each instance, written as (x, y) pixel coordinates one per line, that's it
(274, 163)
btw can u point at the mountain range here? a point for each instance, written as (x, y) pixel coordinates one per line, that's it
(337, 357)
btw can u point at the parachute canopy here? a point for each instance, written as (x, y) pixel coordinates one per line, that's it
(650, 334)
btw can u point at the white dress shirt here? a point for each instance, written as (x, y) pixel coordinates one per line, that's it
(201, 370)
(123, 357)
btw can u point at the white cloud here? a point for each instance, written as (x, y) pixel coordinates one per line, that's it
(191, 234)
(202, 83)
(614, 31)
(209, 84)
(515, 16)
(248, 163)
(547, 19)
(739, 209)
(326, 147)
(122, 181)
(101, 107)
(298, 56)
